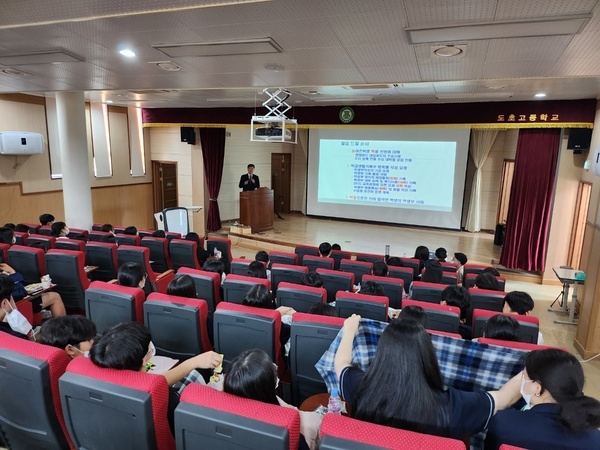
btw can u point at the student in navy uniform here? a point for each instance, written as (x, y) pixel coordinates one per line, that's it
(561, 416)
(419, 402)
(11, 319)
(249, 181)
(459, 296)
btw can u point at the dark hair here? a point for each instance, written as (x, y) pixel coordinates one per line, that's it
(10, 225)
(252, 375)
(259, 296)
(519, 302)
(433, 271)
(109, 238)
(441, 253)
(312, 279)
(130, 274)
(502, 327)
(337, 247)
(422, 253)
(250, 165)
(6, 235)
(131, 230)
(182, 286)
(416, 313)
(67, 330)
(395, 261)
(461, 258)
(262, 256)
(44, 245)
(486, 280)
(458, 296)
(325, 248)
(561, 374)
(371, 288)
(214, 266)
(46, 218)
(322, 309)
(380, 269)
(7, 286)
(256, 269)
(159, 234)
(22, 228)
(107, 228)
(57, 227)
(491, 270)
(404, 352)
(122, 347)
(191, 236)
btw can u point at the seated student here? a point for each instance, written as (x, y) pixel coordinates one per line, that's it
(7, 236)
(325, 249)
(11, 319)
(10, 225)
(441, 254)
(459, 296)
(558, 415)
(460, 259)
(380, 269)
(50, 300)
(22, 228)
(432, 272)
(46, 219)
(322, 309)
(182, 286)
(107, 228)
(60, 230)
(133, 275)
(109, 239)
(491, 270)
(420, 402)
(395, 262)
(131, 230)
(201, 254)
(502, 327)
(486, 280)
(74, 334)
(159, 234)
(312, 279)
(256, 269)
(416, 313)
(217, 267)
(128, 346)
(372, 288)
(337, 247)
(521, 303)
(263, 257)
(253, 375)
(422, 254)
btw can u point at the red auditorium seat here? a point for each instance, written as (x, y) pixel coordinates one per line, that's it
(302, 250)
(334, 281)
(128, 239)
(368, 306)
(208, 286)
(337, 256)
(28, 261)
(239, 266)
(406, 274)
(469, 281)
(517, 345)
(441, 317)
(47, 242)
(528, 330)
(108, 304)
(300, 297)
(283, 258)
(286, 273)
(474, 268)
(414, 264)
(141, 255)
(316, 262)
(67, 270)
(159, 253)
(184, 254)
(70, 244)
(370, 257)
(104, 256)
(358, 268)
(235, 287)
(427, 292)
(224, 246)
(394, 288)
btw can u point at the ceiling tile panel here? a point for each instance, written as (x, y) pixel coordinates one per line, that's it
(391, 74)
(446, 12)
(325, 77)
(502, 69)
(321, 58)
(519, 9)
(527, 50)
(300, 33)
(382, 55)
(236, 64)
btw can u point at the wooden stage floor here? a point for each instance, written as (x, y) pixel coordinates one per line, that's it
(366, 238)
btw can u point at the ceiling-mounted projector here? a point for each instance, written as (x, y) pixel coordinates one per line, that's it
(273, 133)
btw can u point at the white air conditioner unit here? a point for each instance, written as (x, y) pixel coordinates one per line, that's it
(21, 143)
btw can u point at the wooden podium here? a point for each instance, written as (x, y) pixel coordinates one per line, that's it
(256, 209)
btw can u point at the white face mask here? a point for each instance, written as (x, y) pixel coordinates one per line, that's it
(14, 241)
(17, 321)
(151, 350)
(67, 231)
(85, 354)
(526, 397)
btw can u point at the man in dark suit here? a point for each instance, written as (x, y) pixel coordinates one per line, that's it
(249, 181)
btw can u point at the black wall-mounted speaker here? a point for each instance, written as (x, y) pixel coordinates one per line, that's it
(188, 134)
(579, 139)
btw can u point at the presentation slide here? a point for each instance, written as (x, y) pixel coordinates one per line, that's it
(412, 176)
(386, 173)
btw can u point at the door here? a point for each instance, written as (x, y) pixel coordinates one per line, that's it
(281, 180)
(582, 205)
(164, 181)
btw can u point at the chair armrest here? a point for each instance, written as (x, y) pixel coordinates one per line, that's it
(163, 280)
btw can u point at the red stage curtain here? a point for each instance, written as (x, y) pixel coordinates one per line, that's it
(530, 209)
(213, 154)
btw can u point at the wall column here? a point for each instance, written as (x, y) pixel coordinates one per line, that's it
(77, 192)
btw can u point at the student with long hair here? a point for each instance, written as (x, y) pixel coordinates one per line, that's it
(560, 415)
(485, 280)
(422, 254)
(419, 401)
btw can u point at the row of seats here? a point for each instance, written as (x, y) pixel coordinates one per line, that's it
(74, 404)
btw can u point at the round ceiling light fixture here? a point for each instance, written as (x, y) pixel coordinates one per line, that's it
(448, 51)
(275, 67)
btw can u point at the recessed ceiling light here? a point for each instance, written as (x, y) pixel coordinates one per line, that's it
(496, 86)
(15, 73)
(127, 52)
(275, 67)
(540, 94)
(108, 101)
(169, 66)
(448, 51)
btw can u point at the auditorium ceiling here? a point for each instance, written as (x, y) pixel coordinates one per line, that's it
(212, 53)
